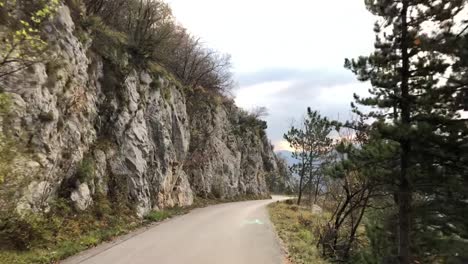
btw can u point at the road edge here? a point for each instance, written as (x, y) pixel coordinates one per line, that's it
(283, 246)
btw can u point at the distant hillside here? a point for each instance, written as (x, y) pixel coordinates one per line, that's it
(287, 155)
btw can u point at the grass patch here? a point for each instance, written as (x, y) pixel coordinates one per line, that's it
(48, 238)
(158, 70)
(296, 227)
(158, 216)
(86, 170)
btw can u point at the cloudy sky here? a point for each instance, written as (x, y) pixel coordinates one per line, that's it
(287, 55)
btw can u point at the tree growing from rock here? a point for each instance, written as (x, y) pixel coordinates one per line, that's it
(21, 22)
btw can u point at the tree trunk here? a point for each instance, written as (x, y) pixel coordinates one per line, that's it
(299, 197)
(311, 175)
(404, 207)
(404, 188)
(352, 236)
(317, 186)
(311, 190)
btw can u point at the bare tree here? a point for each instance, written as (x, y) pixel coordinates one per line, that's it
(259, 112)
(152, 35)
(350, 191)
(105, 8)
(147, 25)
(196, 65)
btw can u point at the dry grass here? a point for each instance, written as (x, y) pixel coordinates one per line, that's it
(296, 227)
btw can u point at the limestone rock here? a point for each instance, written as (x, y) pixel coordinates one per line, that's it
(82, 197)
(316, 210)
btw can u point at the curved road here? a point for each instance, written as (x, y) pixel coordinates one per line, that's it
(237, 233)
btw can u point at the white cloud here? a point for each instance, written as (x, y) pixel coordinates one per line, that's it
(273, 33)
(282, 145)
(262, 94)
(288, 100)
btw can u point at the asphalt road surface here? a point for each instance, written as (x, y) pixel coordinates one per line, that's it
(232, 233)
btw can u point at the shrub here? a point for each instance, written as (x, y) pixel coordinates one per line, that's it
(5, 103)
(166, 93)
(86, 170)
(305, 235)
(61, 207)
(294, 208)
(23, 232)
(148, 33)
(146, 25)
(101, 206)
(108, 42)
(304, 221)
(249, 121)
(7, 146)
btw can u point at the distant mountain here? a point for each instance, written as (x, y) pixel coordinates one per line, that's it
(287, 155)
(289, 158)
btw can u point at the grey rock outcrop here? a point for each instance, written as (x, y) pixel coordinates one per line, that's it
(82, 197)
(79, 133)
(228, 159)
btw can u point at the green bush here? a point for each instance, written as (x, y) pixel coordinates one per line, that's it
(107, 42)
(61, 207)
(380, 233)
(101, 206)
(166, 93)
(5, 103)
(8, 153)
(23, 232)
(86, 170)
(247, 121)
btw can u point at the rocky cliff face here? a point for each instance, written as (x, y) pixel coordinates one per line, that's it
(230, 154)
(78, 130)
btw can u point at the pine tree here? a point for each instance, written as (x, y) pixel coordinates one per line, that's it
(415, 107)
(311, 143)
